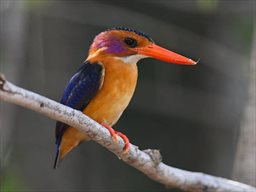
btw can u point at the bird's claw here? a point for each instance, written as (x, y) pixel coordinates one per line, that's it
(112, 132)
(114, 136)
(126, 142)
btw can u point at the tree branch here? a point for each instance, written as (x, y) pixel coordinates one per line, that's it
(147, 161)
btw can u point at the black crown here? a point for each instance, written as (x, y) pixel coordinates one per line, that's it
(132, 30)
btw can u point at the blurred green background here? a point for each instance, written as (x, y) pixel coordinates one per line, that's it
(194, 115)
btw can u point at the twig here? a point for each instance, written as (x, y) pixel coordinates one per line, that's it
(148, 161)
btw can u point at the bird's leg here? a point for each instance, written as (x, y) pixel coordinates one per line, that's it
(114, 134)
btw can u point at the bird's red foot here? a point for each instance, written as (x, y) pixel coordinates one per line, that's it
(114, 134)
(126, 142)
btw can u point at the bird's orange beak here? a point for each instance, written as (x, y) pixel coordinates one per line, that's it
(163, 54)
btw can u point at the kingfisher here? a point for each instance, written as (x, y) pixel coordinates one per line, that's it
(105, 82)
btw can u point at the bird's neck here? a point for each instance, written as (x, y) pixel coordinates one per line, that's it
(117, 68)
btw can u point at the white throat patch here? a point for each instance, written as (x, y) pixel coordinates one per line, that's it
(132, 59)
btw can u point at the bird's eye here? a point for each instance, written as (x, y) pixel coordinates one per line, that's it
(131, 42)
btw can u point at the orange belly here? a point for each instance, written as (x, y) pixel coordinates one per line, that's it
(107, 106)
(115, 94)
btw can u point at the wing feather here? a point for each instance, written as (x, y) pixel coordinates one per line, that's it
(81, 88)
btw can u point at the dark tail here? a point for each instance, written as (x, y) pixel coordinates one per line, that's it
(57, 158)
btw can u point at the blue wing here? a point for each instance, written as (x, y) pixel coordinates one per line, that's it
(81, 88)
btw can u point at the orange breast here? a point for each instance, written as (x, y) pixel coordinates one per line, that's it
(116, 92)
